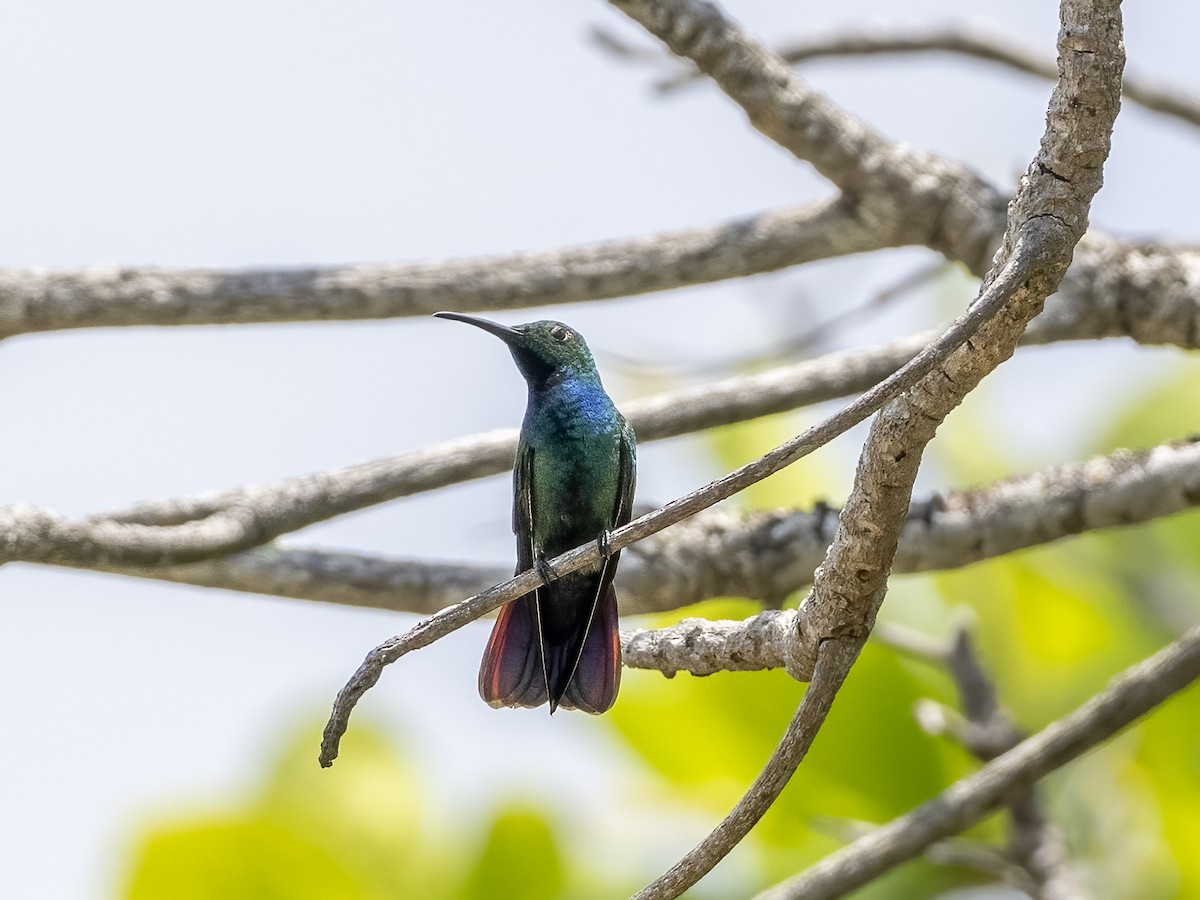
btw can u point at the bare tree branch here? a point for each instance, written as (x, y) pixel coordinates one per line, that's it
(1131, 695)
(210, 525)
(1045, 221)
(1112, 284)
(33, 301)
(247, 516)
(889, 195)
(936, 202)
(766, 555)
(707, 646)
(987, 305)
(1052, 203)
(344, 577)
(32, 535)
(958, 852)
(966, 527)
(306, 499)
(734, 552)
(893, 196)
(1150, 293)
(965, 39)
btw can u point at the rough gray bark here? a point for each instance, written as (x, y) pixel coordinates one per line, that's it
(1045, 221)
(33, 301)
(733, 552)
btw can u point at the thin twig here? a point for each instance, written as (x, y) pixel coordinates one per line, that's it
(957, 852)
(975, 41)
(307, 499)
(1036, 845)
(246, 516)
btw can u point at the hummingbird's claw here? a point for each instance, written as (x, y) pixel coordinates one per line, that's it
(604, 544)
(544, 569)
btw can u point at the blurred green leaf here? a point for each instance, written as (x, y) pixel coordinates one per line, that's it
(1169, 756)
(1053, 627)
(248, 860)
(519, 860)
(355, 831)
(1169, 409)
(1166, 410)
(801, 484)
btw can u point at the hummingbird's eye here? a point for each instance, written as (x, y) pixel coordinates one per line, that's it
(561, 334)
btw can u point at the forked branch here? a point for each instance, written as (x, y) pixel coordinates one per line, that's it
(1045, 221)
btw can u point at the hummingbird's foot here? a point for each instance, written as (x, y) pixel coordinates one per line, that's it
(544, 569)
(604, 544)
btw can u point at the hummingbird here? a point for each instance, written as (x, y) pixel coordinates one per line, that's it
(573, 482)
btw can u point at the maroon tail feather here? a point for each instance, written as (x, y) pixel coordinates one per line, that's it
(593, 687)
(511, 673)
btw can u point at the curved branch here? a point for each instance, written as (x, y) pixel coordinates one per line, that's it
(33, 301)
(894, 196)
(1045, 221)
(937, 202)
(933, 201)
(833, 665)
(964, 39)
(29, 534)
(1133, 694)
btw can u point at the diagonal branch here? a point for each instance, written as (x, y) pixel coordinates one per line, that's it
(448, 620)
(1045, 222)
(210, 525)
(891, 196)
(1133, 694)
(937, 202)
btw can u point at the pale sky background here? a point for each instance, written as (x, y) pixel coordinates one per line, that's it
(271, 133)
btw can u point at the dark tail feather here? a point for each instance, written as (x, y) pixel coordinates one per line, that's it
(511, 673)
(593, 688)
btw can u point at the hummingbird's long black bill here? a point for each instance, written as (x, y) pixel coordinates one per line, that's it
(504, 332)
